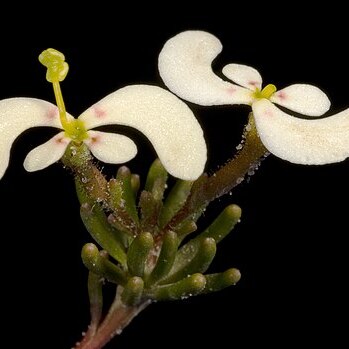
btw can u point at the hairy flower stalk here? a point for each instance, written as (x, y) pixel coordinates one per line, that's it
(231, 174)
(79, 159)
(208, 188)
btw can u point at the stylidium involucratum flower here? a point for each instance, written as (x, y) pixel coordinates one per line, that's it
(185, 65)
(163, 118)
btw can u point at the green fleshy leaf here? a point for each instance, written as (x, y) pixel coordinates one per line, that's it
(125, 229)
(185, 229)
(194, 206)
(156, 180)
(123, 205)
(128, 194)
(175, 201)
(116, 194)
(192, 258)
(135, 184)
(97, 263)
(133, 291)
(219, 281)
(223, 224)
(119, 230)
(138, 253)
(189, 286)
(150, 210)
(95, 283)
(97, 225)
(166, 258)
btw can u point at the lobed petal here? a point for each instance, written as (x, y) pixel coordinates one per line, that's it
(302, 98)
(243, 75)
(110, 147)
(185, 66)
(307, 142)
(46, 154)
(167, 122)
(18, 115)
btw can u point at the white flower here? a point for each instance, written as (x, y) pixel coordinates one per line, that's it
(163, 118)
(185, 67)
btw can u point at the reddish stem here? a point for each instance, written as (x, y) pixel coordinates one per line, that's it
(207, 189)
(118, 318)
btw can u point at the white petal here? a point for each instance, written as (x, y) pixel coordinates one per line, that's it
(46, 154)
(18, 115)
(302, 98)
(185, 67)
(110, 147)
(243, 75)
(308, 142)
(167, 122)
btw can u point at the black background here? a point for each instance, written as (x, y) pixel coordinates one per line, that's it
(291, 244)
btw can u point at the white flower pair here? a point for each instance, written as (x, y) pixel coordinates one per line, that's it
(185, 67)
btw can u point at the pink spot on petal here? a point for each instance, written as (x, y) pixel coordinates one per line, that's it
(60, 140)
(52, 113)
(253, 83)
(231, 90)
(282, 95)
(99, 111)
(95, 139)
(268, 113)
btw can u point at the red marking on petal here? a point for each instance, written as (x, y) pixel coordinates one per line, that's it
(231, 90)
(52, 113)
(95, 139)
(253, 83)
(268, 113)
(99, 112)
(60, 140)
(282, 95)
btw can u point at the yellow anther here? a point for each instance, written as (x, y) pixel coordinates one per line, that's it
(57, 68)
(267, 92)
